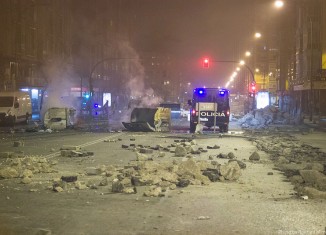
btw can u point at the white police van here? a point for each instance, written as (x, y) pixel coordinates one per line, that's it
(15, 107)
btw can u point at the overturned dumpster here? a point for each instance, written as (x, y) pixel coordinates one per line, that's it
(149, 119)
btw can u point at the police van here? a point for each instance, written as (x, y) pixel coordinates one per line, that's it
(15, 107)
(210, 107)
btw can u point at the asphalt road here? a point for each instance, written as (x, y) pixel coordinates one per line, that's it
(258, 203)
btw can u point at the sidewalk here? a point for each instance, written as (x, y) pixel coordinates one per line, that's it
(317, 123)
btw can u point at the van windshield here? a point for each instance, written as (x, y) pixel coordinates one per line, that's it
(6, 101)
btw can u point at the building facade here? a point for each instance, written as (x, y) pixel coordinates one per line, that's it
(309, 84)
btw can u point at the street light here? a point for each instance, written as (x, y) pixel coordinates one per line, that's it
(257, 35)
(278, 3)
(248, 53)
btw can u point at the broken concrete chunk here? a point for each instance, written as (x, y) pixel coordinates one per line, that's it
(104, 182)
(254, 156)
(216, 147)
(222, 155)
(183, 183)
(26, 180)
(146, 150)
(231, 155)
(161, 154)
(19, 143)
(8, 173)
(241, 163)
(70, 147)
(27, 173)
(180, 151)
(142, 157)
(93, 171)
(7, 154)
(117, 186)
(314, 178)
(230, 171)
(58, 189)
(129, 190)
(80, 185)
(153, 192)
(212, 174)
(70, 178)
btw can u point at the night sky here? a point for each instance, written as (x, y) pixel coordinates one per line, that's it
(191, 29)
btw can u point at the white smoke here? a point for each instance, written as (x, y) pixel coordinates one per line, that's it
(60, 78)
(135, 75)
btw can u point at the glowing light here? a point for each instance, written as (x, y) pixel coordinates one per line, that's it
(242, 62)
(248, 53)
(257, 35)
(257, 70)
(278, 4)
(238, 69)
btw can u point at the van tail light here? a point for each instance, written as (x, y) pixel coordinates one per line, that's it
(193, 112)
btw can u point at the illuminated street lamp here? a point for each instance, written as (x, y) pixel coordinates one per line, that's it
(248, 53)
(257, 35)
(238, 69)
(278, 3)
(242, 62)
(257, 70)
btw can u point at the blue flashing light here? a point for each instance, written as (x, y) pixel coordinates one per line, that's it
(86, 96)
(223, 92)
(201, 91)
(96, 106)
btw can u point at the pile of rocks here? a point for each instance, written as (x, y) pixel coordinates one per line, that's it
(261, 118)
(25, 168)
(304, 165)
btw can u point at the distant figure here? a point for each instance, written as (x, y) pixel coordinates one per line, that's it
(246, 106)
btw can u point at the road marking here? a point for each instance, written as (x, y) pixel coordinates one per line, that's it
(86, 144)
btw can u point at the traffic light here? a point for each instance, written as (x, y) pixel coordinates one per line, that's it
(253, 87)
(206, 63)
